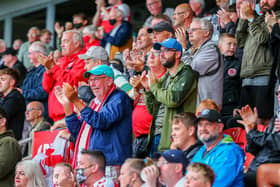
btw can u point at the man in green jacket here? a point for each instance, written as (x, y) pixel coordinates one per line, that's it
(10, 152)
(253, 35)
(173, 93)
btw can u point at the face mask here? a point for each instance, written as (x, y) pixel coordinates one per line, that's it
(112, 21)
(81, 178)
(86, 39)
(77, 25)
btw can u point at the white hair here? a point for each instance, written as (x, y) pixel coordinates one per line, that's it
(33, 172)
(39, 46)
(77, 37)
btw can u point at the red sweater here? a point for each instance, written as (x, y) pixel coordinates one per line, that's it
(68, 69)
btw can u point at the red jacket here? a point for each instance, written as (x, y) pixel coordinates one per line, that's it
(68, 69)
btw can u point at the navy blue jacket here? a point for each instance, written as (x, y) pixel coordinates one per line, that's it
(112, 127)
(122, 35)
(32, 89)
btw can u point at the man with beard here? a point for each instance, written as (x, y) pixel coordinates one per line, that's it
(174, 92)
(219, 151)
(253, 34)
(204, 57)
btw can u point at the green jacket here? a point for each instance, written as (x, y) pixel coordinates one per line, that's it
(179, 96)
(254, 37)
(10, 154)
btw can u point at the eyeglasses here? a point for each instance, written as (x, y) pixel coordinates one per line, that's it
(155, 53)
(162, 162)
(178, 13)
(167, 50)
(30, 109)
(194, 29)
(96, 79)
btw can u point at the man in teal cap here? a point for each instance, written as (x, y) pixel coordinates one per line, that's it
(105, 124)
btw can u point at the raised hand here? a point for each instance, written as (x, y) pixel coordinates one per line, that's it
(181, 36)
(58, 29)
(249, 117)
(46, 61)
(70, 92)
(58, 91)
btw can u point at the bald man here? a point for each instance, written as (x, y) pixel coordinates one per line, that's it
(183, 16)
(34, 115)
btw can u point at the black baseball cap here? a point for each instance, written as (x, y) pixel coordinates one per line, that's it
(210, 115)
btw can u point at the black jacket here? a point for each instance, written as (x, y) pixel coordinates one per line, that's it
(191, 151)
(14, 106)
(232, 84)
(265, 146)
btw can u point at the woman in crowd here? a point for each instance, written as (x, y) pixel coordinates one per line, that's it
(29, 174)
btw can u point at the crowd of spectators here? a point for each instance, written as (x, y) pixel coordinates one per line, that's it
(165, 108)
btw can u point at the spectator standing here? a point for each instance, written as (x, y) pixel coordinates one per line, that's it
(45, 38)
(32, 35)
(120, 36)
(204, 57)
(175, 91)
(32, 88)
(155, 7)
(183, 16)
(10, 152)
(101, 17)
(69, 69)
(107, 119)
(253, 33)
(17, 44)
(11, 61)
(232, 81)
(12, 101)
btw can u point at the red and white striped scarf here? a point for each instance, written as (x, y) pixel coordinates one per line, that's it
(86, 130)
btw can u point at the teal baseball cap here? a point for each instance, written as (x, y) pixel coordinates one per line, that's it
(100, 70)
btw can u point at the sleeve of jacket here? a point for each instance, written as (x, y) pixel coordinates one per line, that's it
(259, 31)
(150, 102)
(122, 35)
(48, 82)
(176, 95)
(37, 93)
(205, 60)
(255, 141)
(241, 33)
(73, 124)
(230, 27)
(9, 156)
(110, 113)
(224, 162)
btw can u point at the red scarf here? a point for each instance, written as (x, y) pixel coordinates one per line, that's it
(86, 130)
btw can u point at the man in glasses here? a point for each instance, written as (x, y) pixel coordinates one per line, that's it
(204, 57)
(91, 169)
(174, 91)
(105, 124)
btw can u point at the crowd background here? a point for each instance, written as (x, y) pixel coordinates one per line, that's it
(195, 88)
